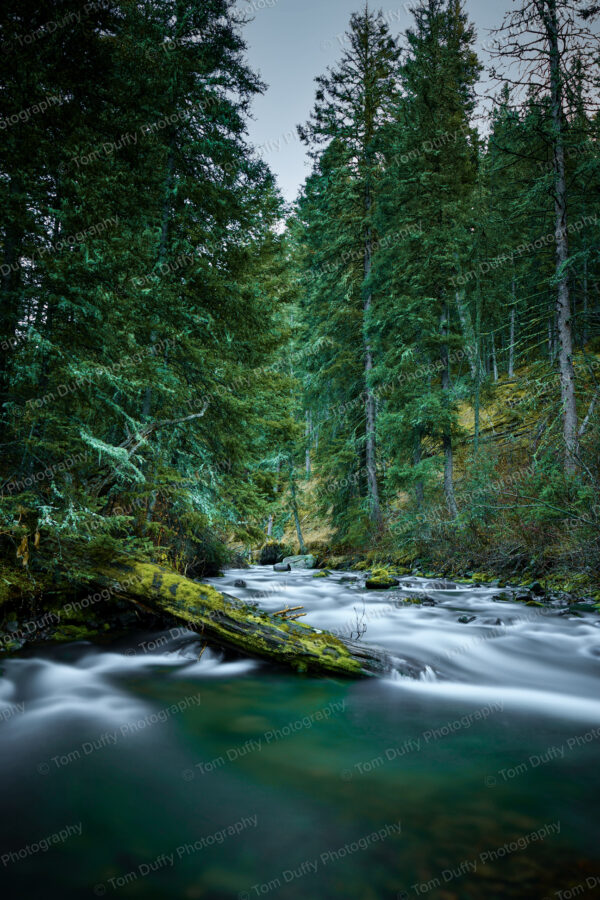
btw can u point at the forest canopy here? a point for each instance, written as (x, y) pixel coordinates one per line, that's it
(406, 360)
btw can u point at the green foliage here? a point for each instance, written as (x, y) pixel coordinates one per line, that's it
(138, 309)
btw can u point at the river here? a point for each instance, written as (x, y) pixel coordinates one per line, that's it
(149, 768)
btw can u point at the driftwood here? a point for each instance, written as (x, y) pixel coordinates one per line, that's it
(227, 622)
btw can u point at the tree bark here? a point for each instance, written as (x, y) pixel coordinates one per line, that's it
(494, 358)
(228, 622)
(11, 277)
(295, 509)
(563, 305)
(511, 346)
(585, 329)
(370, 408)
(447, 436)
(417, 455)
(308, 435)
(468, 333)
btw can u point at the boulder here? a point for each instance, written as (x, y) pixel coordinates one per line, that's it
(271, 553)
(282, 567)
(300, 562)
(381, 580)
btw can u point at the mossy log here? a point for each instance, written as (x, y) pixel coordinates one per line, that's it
(228, 622)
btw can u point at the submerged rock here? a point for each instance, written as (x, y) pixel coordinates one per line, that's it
(419, 600)
(323, 574)
(348, 579)
(282, 567)
(466, 620)
(240, 583)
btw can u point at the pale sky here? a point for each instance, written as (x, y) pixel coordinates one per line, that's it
(290, 42)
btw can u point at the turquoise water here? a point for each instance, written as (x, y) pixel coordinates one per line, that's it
(137, 770)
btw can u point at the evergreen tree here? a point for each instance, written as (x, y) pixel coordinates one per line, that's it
(137, 301)
(430, 176)
(353, 104)
(547, 38)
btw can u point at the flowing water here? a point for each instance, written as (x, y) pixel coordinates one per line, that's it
(151, 769)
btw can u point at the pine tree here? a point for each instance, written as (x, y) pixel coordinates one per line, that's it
(354, 102)
(430, 176)
(143, 223)
(546, 37)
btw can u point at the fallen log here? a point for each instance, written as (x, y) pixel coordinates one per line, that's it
(228, 622)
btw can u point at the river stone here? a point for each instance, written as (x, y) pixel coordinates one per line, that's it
(381, 582)
(282, 567)
(272, 553)
(300, 562)
(348, 579)
(240, 583)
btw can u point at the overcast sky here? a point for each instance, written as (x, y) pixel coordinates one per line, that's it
(290, 42)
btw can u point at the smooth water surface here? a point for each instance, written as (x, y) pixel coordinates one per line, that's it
(155, 769)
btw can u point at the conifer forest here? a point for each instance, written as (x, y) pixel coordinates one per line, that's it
(300, 449)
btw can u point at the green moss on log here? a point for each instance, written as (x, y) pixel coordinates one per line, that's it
(229, 622)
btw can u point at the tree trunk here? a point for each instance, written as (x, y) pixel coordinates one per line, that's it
(417, 455)
(494, 358)
(468, 333)
(162, 252)
(511, 346)
(295, 509)
(447, 436)
(10, 280)
(308, 434)
(585, 329)
(563, 306)
(370, 409)
(228, 622)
